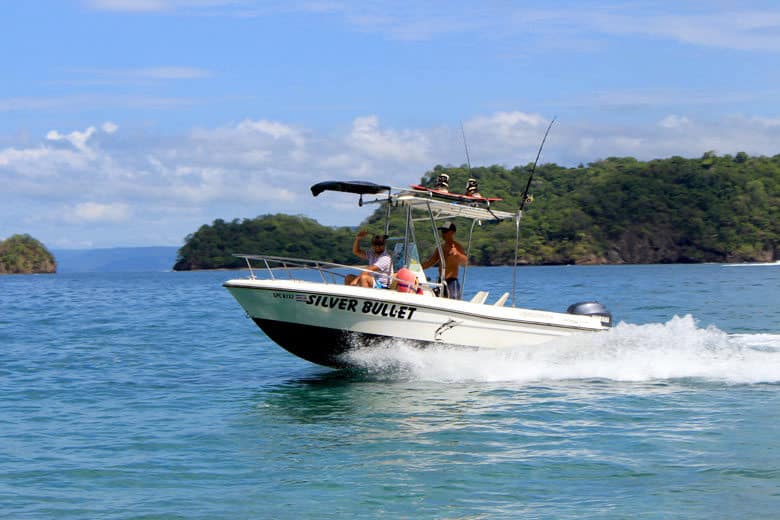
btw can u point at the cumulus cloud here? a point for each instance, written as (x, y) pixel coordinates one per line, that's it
(248, 144)
(39, 162)
(370, 140)
(506, 127)
(76, 138)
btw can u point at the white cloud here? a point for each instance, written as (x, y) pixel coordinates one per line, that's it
(248, 144)
(367, 138)
(742, 28)
(504, 137)
(14, 157)
(40, 162)
(337, 161)
(109, 127)
(274, 129)
(97, 212)
(76, 138)
(508, 127)
(674, 122)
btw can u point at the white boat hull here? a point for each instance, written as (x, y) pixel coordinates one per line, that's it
(320, 322)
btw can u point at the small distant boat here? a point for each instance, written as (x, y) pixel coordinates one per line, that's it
(320, 319)
(754, 264)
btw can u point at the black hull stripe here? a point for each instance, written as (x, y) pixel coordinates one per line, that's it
(322, 345)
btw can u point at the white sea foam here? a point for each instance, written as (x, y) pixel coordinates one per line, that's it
(677, 349)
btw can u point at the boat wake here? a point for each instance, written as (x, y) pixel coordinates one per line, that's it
(677, 349)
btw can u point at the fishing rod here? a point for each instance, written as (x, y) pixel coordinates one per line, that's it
(468, 163)
(466, 146)
(523, 200)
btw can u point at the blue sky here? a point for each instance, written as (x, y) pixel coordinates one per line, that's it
(133, 122)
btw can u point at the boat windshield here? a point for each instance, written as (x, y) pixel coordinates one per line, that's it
(405, 254)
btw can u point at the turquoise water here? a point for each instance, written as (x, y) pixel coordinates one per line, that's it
(151, 395)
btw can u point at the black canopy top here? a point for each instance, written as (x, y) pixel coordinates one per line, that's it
(360, 187)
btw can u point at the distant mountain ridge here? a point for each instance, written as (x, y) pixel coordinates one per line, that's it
(116, 259)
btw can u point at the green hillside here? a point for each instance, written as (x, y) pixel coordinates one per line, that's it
(619, 210)
(22, 254)
(211, 247)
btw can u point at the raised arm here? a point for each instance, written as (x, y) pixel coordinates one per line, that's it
(356, 244)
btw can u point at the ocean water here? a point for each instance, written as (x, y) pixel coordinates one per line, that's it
(151, 395)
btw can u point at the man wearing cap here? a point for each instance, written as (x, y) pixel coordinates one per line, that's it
(379, 261)
(454, 257)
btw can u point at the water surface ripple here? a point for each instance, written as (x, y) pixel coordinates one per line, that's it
(150, 395)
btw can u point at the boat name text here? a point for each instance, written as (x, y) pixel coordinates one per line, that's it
(391, 310)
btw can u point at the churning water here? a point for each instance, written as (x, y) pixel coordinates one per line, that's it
(672, 350)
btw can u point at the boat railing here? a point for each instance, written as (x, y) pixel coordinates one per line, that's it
(329, 272)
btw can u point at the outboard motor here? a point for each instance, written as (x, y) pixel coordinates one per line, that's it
(591, 309)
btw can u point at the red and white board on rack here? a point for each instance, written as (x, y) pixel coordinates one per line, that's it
(460, 197)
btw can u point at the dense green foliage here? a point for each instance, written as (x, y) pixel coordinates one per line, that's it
(212, 247)
(22, 254)
(619, 210)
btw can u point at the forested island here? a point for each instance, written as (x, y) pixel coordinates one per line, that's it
(22, 254)
(211, 247)
(613, 211)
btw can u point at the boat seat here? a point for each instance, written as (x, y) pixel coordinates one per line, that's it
(501, 301)
(480, 297)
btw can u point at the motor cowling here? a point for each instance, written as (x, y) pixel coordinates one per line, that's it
(591, 309)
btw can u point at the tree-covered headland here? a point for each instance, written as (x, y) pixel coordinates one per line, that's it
(212, 246)
(617, 210)
(22, 254)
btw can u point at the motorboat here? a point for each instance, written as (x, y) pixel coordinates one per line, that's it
(305, 307)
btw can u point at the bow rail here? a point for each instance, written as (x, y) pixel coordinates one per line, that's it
(330, 272)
